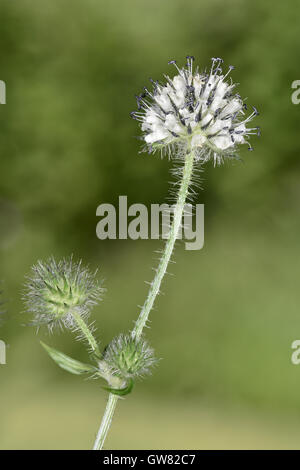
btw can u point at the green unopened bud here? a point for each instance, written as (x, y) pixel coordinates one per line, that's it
(58, 291)
(128, 357)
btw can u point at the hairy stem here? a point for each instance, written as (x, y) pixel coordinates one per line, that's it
(106, 421)
(155, 285)
(163, 264)
(86, 332)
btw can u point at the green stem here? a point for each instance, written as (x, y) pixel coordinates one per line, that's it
(86, 332)
(163, 264)
(106, 421)
(155, 285)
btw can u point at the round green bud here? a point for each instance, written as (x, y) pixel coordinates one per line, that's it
(56, 291)
(128, 357)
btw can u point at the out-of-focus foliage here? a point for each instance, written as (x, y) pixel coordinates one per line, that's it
(225, 326)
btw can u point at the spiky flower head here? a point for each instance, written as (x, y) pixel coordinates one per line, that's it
(58, 290)
(128, 357)
(199, 110)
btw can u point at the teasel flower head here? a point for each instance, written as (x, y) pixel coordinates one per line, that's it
(194, 109)
(128, 357)
(56, 291)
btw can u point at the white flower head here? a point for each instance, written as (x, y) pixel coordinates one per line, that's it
(196, 110)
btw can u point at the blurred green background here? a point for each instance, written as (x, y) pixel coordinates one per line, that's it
(225, 325)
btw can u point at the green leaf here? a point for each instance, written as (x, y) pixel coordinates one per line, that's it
(66, 362)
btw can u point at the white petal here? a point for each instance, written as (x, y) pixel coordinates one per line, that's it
(157, 135)
(163, 100)
(178, 98)
(239, 138)
(152, 118)
(222, 142)
(217, 103)
(208, 117)
(179, 83)
(222, 88)
(241, 128)
(215, 127)
(209, 86)
(145, 126)
(185, 113)
(233, 106)
(172, 124)
(197, 83)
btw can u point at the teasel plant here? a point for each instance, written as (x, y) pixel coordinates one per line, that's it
(192, 118)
